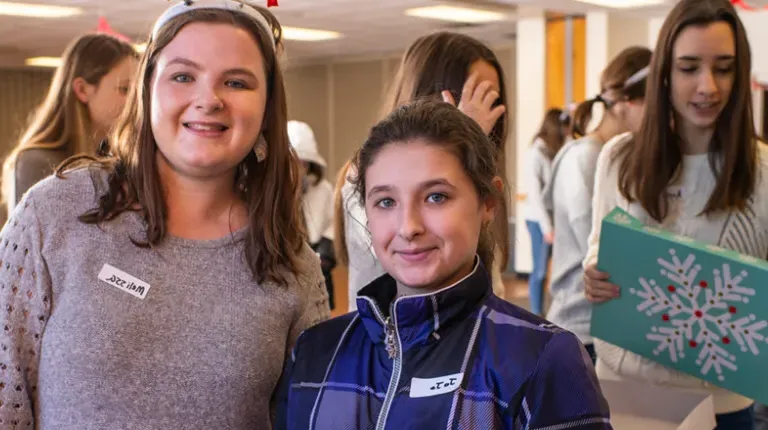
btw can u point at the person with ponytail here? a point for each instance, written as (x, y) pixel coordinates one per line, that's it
(569, 192)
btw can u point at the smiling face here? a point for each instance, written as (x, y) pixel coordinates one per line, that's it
(208, 96)
(425, 215)
(703, 75)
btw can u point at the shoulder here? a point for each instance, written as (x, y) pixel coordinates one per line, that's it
(307, 274)
(75, 192)
(40, 159)
(324, 187)
(526, 333)
(532, 344)
(319, 342)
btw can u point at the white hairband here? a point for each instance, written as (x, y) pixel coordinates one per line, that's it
(637, 77)
(236, 6)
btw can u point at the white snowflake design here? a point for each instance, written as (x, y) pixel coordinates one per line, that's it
(699, 316)
(622, 219)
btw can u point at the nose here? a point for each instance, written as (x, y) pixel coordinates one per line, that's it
(706, 84)
(412, 224)
(208, 101)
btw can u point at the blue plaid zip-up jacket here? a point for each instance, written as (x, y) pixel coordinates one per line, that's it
(459, 358)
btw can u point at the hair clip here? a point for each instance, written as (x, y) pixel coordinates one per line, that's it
(271, 3)
(637, 77)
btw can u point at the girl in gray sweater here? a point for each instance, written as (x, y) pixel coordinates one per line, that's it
(569, 193)
(155, 289)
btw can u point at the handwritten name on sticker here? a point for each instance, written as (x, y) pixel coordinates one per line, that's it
(435, 386)
(119, 279)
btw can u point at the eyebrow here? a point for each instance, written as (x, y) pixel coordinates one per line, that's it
(424, 185)
(695, 58)
(233, 71)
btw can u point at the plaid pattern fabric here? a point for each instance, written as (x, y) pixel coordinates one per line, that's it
(517, 370)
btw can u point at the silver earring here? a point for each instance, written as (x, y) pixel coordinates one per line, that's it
(260, 149)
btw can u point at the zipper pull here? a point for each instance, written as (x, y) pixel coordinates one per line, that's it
(389, 341)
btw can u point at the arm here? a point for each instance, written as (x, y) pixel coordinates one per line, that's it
(25, 308)
(312, 309)
(580, 198)
(564, 391)
(537, 163)
(604, 197)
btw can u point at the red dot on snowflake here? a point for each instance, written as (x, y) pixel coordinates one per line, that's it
(671, 288)
(703, 284)
(665, 317)
(726, 340)
(732, 309)
(693, 344)
(698, 314)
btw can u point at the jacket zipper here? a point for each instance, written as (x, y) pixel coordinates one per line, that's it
(395, 352)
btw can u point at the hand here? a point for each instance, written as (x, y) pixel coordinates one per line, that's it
(596, 286)
(477, 103)
(550, 237)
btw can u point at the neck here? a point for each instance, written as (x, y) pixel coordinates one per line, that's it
(694, 140)
(200, 209)
(406, 290)
(606, 131)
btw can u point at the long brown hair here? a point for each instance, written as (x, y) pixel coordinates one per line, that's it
(437, 62)
(651, 162)
(271, 188)
(62, 120)
(439, 124)
(629, 61)
(551, 132)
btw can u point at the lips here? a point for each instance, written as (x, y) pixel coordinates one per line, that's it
(415, 255)
(205, 127)
(706, 108)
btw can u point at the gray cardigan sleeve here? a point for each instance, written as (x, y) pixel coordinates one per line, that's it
(25, 304)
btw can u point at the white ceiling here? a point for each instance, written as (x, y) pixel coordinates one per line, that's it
(370, 27)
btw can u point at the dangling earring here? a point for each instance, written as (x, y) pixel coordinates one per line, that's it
(260, 149)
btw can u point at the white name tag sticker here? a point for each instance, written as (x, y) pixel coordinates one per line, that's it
(119, 279)
(435, 386)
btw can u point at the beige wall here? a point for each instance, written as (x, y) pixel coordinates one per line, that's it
(341, 101)
(20, 92)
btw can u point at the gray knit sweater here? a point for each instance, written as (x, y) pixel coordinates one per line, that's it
(98, 333)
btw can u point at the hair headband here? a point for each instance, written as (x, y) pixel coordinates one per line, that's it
(637, 77)
(235, 6)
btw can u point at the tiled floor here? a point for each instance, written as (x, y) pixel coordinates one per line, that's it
(516, 291)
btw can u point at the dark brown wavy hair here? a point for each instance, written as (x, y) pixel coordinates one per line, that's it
(446, 127)
(650, 163)
(270, 189)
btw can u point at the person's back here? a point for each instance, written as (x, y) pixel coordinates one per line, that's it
(572, 183)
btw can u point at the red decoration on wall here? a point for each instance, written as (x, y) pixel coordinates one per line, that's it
(271, 3)
(105, 28)
(748, 4)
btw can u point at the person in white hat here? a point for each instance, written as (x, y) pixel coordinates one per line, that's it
(318, 199)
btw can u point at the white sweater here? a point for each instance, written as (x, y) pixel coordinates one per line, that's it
(538, 171)
(745, 232)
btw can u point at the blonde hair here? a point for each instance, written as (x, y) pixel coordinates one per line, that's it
(62, 121)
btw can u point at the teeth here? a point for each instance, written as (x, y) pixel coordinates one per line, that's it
(206, 127)
(704, 105)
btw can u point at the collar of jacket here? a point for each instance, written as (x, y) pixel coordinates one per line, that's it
(420, 318)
